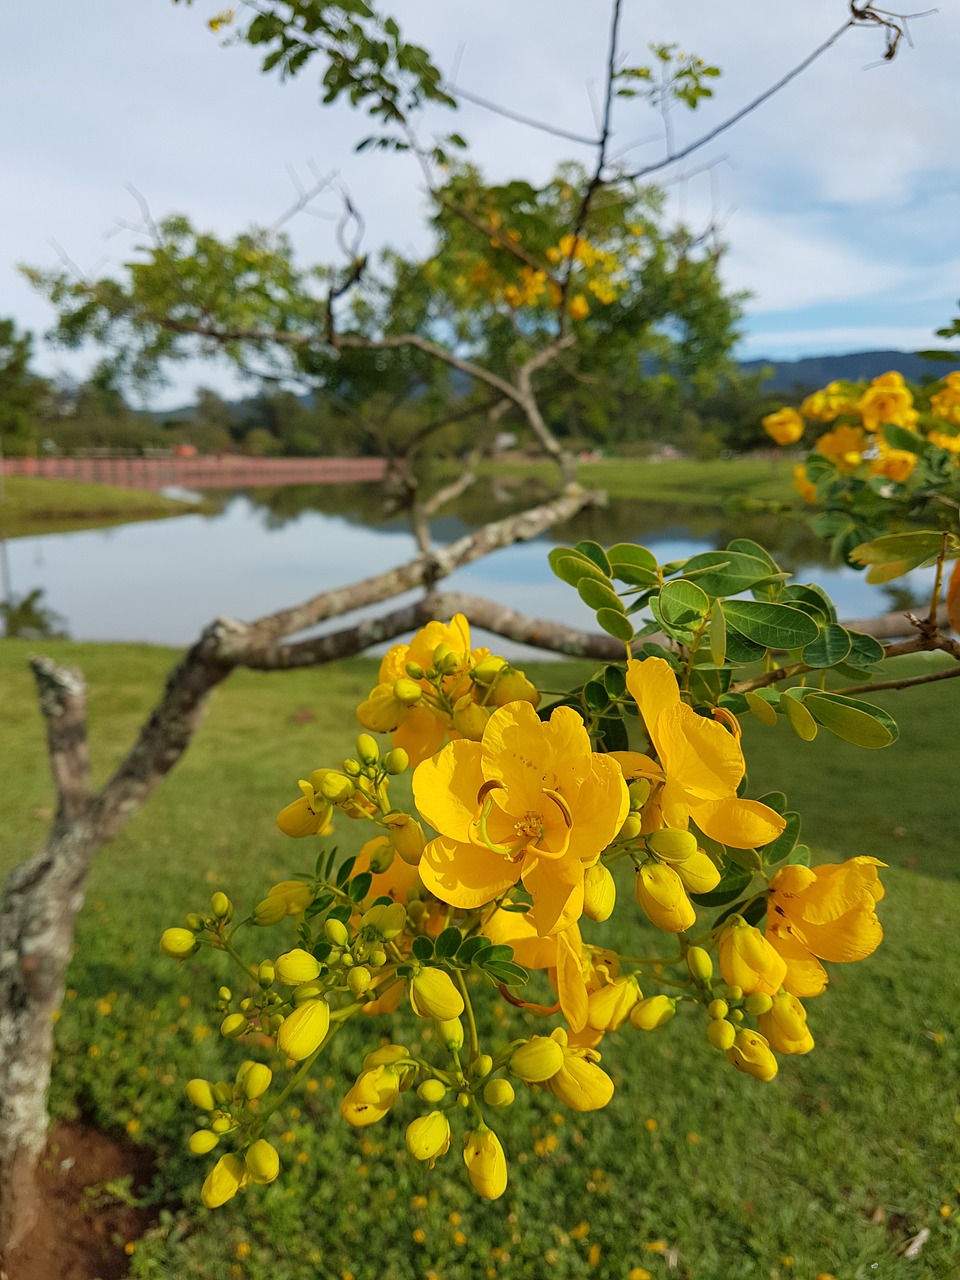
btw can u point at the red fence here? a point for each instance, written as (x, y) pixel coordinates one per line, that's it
(227, 472)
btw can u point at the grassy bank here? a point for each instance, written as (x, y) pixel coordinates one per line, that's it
(35, 505)
(674, 483)
(828, 1171)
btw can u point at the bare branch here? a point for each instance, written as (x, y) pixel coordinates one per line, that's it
(556, 637)
(907, 682)
(63, 702)
(542, 125)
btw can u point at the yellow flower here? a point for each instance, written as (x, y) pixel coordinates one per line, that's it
(580, 1083)
(887, 399)
(560, 953)
(823, 913)
(750, 1053)
(944, 441)
(785, 1025)
(748, 961)
(531, 801)
(784, 427)
(398, 881)
(486, 1163)
(310, 815)
(262, 1161)
(701, 766)
(537, 1061)
(433, 995)
(579, 307)
(224, 1180)
(946, 403)
(663, 899)
(894, 464)
(803, 484)
(600, 893)
(296, 966)
(825, 405)
(844, 447)
(288, 898)
(372, 1095)
(428, 1137)
(653, 1012)
(304, 1030)
(610, 1007)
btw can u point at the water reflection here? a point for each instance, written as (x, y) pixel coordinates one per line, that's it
(264, 550)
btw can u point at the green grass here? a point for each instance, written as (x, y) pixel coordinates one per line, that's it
(673, 483)
(836, 1164)
(36, 505)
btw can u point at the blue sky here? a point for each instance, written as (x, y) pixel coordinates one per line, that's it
(839, 199)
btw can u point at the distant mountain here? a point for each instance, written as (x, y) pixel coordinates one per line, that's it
(816, 371)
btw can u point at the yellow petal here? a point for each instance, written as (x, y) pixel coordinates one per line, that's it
(599, 809)
(393, 664)
(515, 929)
(699, 753)
(635, 765)
(556, 886)
(654, 688)
(299, 818)
(529, 756)
(420, 735)
(463, 874)
(853, 936)
(570, 985)
(805, 976)
(742, 824)
(445, 789)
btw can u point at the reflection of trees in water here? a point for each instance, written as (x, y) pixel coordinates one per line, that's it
(30, 619)
(790, 538)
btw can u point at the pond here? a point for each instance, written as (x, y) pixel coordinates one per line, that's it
(163, 581)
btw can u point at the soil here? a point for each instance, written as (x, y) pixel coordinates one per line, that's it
(83, 1226)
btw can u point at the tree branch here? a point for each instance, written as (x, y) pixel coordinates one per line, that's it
(62, 693)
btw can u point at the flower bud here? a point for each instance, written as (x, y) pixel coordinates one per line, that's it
(352, 768)
(718, 1008)
(699, 873)
(288, 898)
(337, 787)
(200, 1093)
(537, 1060)
(785, 1025)
(221, 906)
(434, 995)
(233, 1026)
(486, 1163)
(748, 961)
(450, 1031)
(599, 893)
(758, 1003)
(262, 1161)
(580, 1083)
(610, 1007)
(387, 921)
(513, 686)
(700, 964)
(222, 1124)
(387, 1055)
(653, 1012)
(336, 932)
(358, 980)
(194, 922)
(751, 1053)
(368, 749)
(407, 692)
(721, 1033)
(223, 1181)
(396, 761)
(639, 790)
(632, 826)
(406, 836)
(428, 1137)
(297, 966)
(486, 672)
(255, 1080)
(498, 1093)
(470, 719)
(671, 845)
(202, 1142)
(222, 1092)
(663, 899)
(178, 943)
(266, 974)
(304, 1030)
(432, 1091)
(372, 1095)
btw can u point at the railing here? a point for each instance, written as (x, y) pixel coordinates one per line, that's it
(227, 472)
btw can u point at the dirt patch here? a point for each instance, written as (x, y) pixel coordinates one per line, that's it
(89, 1184)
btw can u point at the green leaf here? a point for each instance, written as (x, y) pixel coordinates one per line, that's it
(595, 697)
(599, 595)
(448, 942)
(901, 438)
(511, 975)
(775, 626)
(774, 800)
(615, 624)
(858, 722)
(344, 871)
(613, 734)
(761, 708)
(800, 856)
(732, 884)
(360, 887)
(593, 551)
(683, 604)
(472, 948)
(831, 646)
(718, 635)
(422, 948)
(747, 547)
(801, 721)
(726, 573)
(571, 567)
(897, 550)
(742, 652)
(614, 681)
(809, 601)
(629, 555)
(865, 651)
(781, 848)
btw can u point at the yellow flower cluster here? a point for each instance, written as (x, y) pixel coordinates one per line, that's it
(516, 823)
(857, 442)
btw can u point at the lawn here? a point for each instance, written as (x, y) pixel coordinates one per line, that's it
(691, 1173)
(37, 505)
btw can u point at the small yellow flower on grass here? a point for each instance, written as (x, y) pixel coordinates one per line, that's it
(580, 1230)
(419, 1235)
(655, 1246)
(639, 1273)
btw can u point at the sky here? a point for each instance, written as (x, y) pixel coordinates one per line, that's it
(839, 199)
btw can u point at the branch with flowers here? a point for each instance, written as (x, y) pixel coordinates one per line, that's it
(529, 816)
